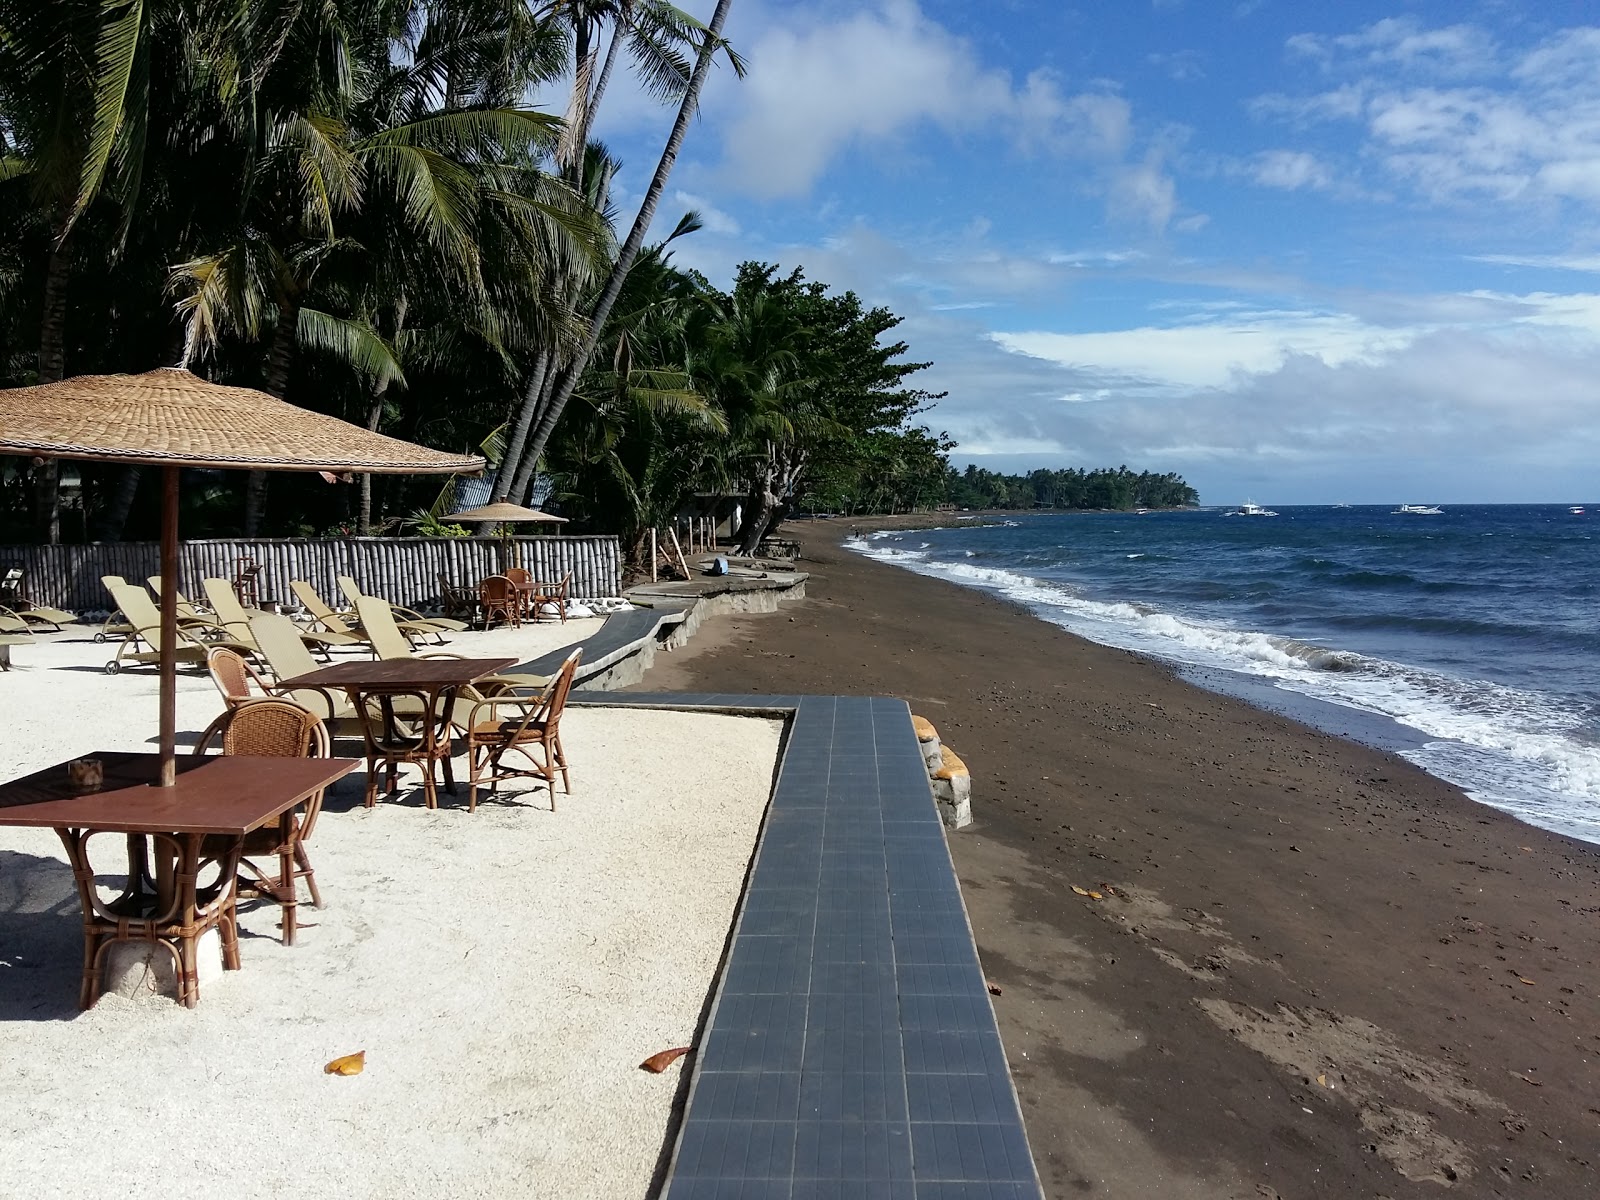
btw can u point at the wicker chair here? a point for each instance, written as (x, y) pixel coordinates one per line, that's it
(533, 730)
(554, 594)
(458, 603)
(497, 594)
(233, 675)
(273, 728)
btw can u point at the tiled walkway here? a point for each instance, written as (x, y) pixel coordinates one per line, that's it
(851, 1050)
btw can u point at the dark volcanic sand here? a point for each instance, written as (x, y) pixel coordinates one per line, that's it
(1316, 970)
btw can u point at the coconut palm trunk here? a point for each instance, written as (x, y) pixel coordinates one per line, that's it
(52, 369)
(630, 248)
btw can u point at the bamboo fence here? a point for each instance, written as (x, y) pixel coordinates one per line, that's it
(403, 570)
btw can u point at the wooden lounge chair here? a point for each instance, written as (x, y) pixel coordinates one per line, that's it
(498, 594)
(408, 619)
(234, 617)
(195, 638)
(274, 728)
(527, 725)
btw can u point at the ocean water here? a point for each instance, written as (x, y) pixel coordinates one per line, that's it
(1476, 631)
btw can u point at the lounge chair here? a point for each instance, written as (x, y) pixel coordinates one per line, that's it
(196, 639)
(234, 617)
(112, 627)
(285, 653)
(345, 621)
(389, 642)
(407, 618)
(276, 729)
(532, 729)
(186, 611)
(20, 606)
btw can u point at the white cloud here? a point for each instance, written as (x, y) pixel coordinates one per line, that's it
(1209, 352)
(1290, 170)
(819, 87)
(712, 219)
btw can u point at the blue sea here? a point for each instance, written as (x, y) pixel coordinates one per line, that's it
(1468, 641)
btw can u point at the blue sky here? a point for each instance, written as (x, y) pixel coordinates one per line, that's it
(1300, 253)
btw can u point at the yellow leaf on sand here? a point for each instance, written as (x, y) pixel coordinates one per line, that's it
(1323, 1080)
(1095, 896)
(350, 1064)
(1079, 890)
(1529, 982)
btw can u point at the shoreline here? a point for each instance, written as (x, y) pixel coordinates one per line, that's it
(1316, 966)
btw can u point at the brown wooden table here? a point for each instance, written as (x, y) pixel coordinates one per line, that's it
(218, 796)
(432, 682)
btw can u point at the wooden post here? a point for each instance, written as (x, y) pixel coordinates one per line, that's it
(169, 626)
(652, 554)
(682, 562)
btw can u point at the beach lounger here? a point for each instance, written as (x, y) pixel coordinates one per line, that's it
(186, 611)
(234, 617)
(115, 624)
(389, 642)
(20, 606)
(408, 619)
(285, 653)
(342, 621)
(195, 639)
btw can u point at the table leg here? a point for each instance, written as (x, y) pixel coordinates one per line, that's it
(288, 893)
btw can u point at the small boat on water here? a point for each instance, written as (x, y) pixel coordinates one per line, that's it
(1420, 510)
(1576, 510)
(1250, 509)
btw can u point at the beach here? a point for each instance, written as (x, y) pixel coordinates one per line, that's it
(1312, 968)
(505, 971)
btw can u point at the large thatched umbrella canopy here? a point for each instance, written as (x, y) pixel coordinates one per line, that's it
(171, 418)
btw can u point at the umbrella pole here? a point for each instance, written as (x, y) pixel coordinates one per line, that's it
(169, 626)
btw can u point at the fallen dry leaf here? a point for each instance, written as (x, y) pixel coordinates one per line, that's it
(1525, 1079)
(658, 1063)
(349, 1064)
(1323, 1080)
(1079, 890)
(994, 988)
(1096, 896)
(1520, 979)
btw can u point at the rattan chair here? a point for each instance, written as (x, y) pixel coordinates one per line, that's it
(233, 675)
(457, 602)
(273, 728)
(498, 596)
(532, 729)
(554, 594)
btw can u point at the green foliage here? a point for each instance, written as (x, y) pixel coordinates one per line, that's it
(1069, 489)
(424, 524)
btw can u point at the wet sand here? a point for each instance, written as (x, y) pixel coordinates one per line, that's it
(1314, 969)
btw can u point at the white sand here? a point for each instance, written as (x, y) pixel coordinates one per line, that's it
(505, 972)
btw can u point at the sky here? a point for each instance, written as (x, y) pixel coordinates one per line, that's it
(1296, 253)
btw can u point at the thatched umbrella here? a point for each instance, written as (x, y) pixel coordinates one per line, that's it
(505, 514)
(172, 419)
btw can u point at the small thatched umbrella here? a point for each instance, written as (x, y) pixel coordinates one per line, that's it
(505, 515)
(172, 419)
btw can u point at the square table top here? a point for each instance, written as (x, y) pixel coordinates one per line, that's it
(224, 793)
(401, 673)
